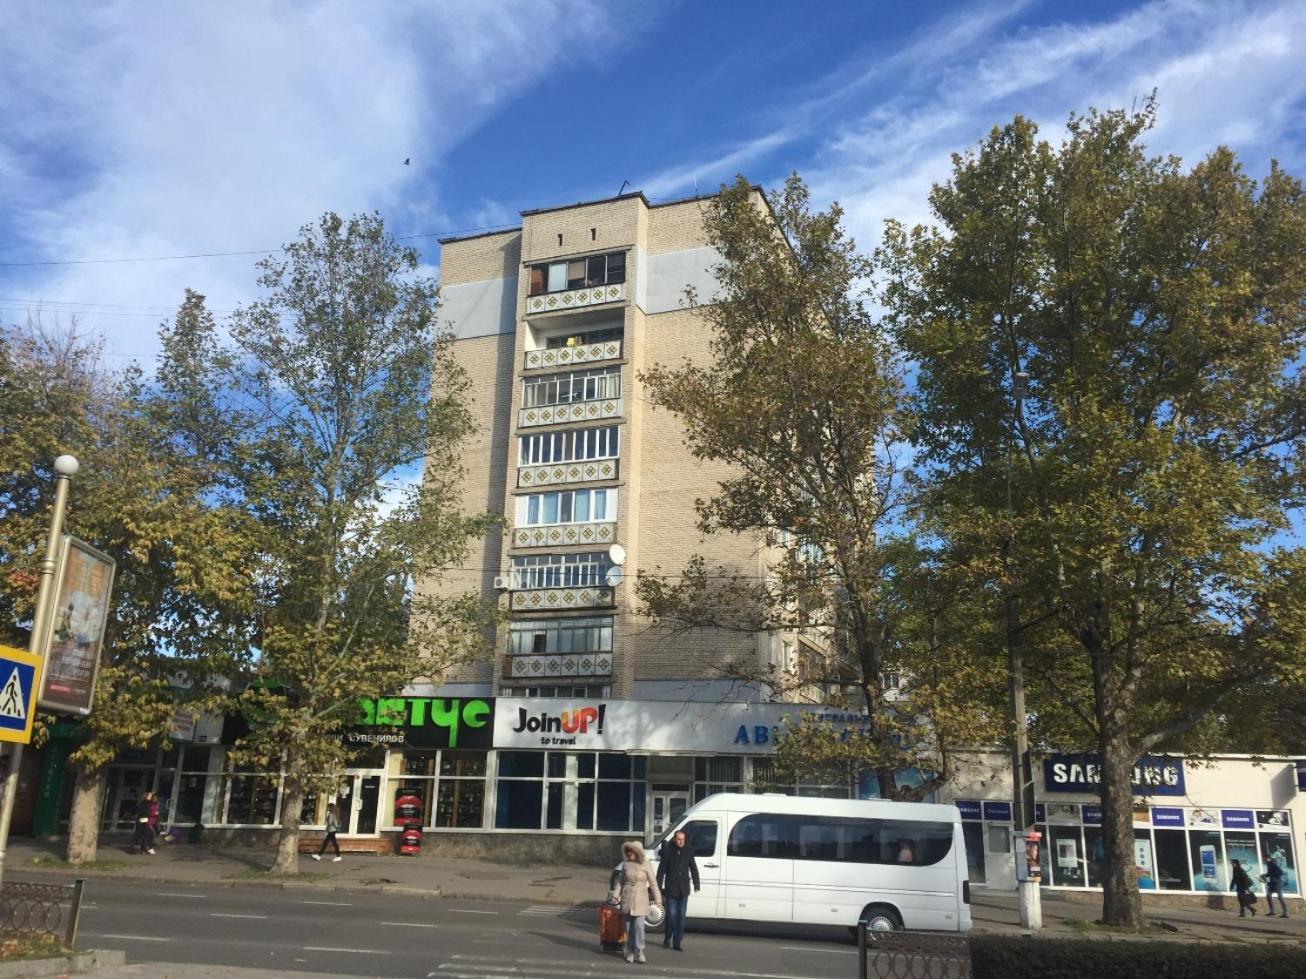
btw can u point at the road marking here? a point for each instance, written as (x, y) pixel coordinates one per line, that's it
(192, 897)
(489, 967)
(136, 938)
(329, 904)
(809, 948)
(470, 911)
(356, 951)
(409, 924)
(221, 914)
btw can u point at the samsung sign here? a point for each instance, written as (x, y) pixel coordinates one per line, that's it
(1152, 774)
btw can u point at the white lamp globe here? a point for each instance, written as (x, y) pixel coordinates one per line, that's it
(66, 465)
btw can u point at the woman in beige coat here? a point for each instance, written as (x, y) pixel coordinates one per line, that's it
(636, 884)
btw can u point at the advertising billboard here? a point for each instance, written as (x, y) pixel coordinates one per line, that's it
(77, 623)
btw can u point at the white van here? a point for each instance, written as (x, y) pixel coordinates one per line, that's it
(827, 862)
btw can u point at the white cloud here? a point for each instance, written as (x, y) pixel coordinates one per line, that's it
(158, 129)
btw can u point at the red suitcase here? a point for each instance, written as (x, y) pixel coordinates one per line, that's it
(612, 928)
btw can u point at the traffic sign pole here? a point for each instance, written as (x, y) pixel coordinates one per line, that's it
(65, 468)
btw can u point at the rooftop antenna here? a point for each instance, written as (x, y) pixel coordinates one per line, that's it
(624, 185)
(695, 185)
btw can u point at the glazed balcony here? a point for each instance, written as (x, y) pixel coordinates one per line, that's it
(551, 358)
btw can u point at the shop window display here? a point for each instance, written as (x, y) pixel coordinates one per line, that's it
(1172, 860)
(450, 786)
(1066, 846)
(1206, 852)
(532, 787)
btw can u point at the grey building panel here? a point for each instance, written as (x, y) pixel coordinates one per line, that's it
(670, 273)
(479, 309)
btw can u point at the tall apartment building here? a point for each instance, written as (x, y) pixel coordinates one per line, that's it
(554, 322)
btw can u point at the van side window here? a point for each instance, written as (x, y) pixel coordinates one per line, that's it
(841, 840)
(700, 837)
(764, 835)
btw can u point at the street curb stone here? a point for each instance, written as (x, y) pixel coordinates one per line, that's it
(63, 965)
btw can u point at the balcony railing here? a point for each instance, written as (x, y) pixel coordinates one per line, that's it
(557, 473)
(560, 535)
(586, 353)
(551, 599)
(552, 302)
(548, 665)
(576, 411)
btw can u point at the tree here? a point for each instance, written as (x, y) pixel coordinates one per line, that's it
(1159, 314)
(178, 598)
(332, 389)
(803, 399)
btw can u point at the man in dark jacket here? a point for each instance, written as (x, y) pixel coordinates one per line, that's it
(675, 871)
(1274, 885)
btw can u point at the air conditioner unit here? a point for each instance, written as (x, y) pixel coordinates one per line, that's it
(502, 582)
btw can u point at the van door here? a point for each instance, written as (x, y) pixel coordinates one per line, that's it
(703, 837)
(758, 883)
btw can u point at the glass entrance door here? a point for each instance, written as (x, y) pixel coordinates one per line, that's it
(667, 809)
(358, 802)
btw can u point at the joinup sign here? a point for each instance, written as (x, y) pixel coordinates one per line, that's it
(1152, 774)
(20, 672)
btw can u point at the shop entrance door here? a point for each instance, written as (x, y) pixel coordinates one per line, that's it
(358, 802)
(668, 808)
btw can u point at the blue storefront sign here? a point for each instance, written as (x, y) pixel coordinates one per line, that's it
(1237, 819)
(1163, 816)
(1152, 774)
(1092, 815)
(1301, 776)
(969, 809)
(998, 812)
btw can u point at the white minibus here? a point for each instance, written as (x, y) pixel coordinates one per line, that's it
(777, 858)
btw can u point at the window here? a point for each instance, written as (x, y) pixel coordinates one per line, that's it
(586, 570)
(449, 786)
(700, 836)
(251, 798)
(576, 445)
(713, 775)
(566, 506)
(555, 389)
(584, 338)
(765, 779)
(189, 804)
(596, 270)
(843, 840)
(614, 799)
(562, 690)
(589, 635)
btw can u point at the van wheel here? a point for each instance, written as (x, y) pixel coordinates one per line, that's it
(879, 917)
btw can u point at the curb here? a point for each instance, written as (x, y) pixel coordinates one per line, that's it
(63, 965)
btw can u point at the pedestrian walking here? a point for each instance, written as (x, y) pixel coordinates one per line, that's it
(154, 816)
(1273, 878)
(1242, 883)
(143, 837)
(332, 828)
(636, 887)
(677, 871)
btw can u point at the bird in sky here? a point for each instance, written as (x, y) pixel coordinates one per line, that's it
(407, 159)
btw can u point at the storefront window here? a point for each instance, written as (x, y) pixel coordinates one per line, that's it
(447, 787)
(1206, 850)
(1172, 860)
(520, 790)
(713, 775)
(974, 836)
(251, 799)
(535, 789)
(618, 795)
(765, 779)
(189, 805)
(1144, 859)
(1094, 855)
(1279, 846)
(1067, 856)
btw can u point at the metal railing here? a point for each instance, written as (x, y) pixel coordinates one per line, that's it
(911, 955)
(41, 909)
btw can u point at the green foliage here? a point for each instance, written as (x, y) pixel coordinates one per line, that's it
(330, 389)
(1159, 313)
(803, 400)
(1004, 957)
(140, 496)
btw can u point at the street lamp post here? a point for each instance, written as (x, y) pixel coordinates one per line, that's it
(65, 468)
(1022, 813)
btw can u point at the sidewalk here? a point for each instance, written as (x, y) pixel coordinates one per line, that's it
(459, 879)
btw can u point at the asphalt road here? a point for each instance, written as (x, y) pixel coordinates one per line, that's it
(386, 935)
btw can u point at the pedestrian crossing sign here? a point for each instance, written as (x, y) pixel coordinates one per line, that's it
(19, 673)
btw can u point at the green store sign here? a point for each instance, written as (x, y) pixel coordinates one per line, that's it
(425, 722)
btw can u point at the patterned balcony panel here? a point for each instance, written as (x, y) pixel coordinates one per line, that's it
(560, 535)
(547, 666)
(552, 302)
(590, 353)
(567, 472)
(577, 411)
(549, 599)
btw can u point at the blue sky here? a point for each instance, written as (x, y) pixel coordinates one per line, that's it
(135, 130)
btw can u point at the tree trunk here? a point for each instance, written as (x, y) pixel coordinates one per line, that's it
(292, 806)
(1122, 904)
(84, 820)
